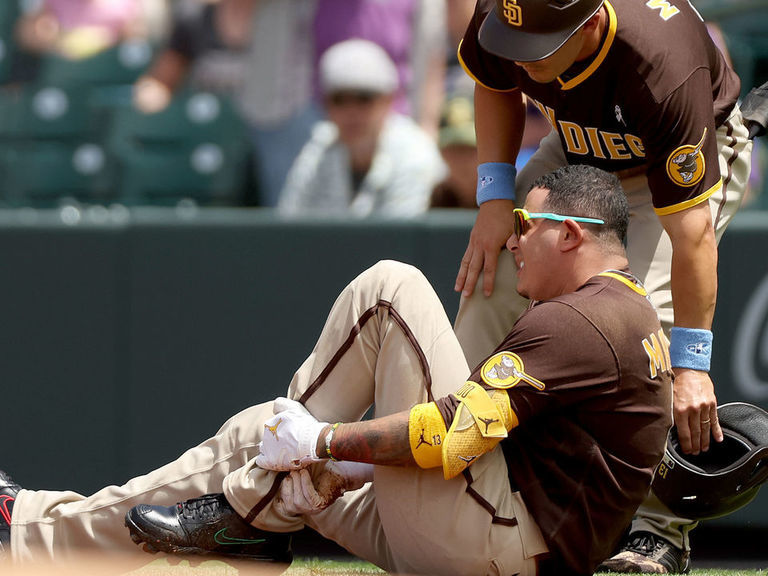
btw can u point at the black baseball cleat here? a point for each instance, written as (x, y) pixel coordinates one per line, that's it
(205, 525)
(647, 553)
(8, 491)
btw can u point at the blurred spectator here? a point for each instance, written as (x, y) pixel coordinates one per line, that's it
(458, 147)
(413, 33)
(78, 29)
(458, 15)
(367, 158)
(756, 185)
(536, 127)
(263, 53)
(257, 52)
(208, 48)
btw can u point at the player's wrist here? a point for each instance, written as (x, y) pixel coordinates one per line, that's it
(323, 448)
(690, 348)
(328, 439)
(320, 444)
(495, 181)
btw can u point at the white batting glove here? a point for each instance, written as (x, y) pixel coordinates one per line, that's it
(290, 437)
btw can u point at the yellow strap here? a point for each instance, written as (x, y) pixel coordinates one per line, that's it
(465, 441)
(483, 410)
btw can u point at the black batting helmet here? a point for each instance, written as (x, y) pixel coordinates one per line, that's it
(724, 478)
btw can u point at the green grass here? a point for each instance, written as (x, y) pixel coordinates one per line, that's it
(716, 572)
(319, 567)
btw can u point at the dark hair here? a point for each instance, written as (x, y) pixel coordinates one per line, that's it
(581, 190)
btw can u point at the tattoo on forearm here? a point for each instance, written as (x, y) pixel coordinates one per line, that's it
(381, 441)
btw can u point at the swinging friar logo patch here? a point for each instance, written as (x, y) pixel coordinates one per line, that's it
(505, 369)
(685, 166)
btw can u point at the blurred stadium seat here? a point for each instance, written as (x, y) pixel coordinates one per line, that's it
(197, 148)
(8, 15)
(49, 148)
(90, 144)
(46, 174)
(207, 174)
(120, 64)
(44, 113)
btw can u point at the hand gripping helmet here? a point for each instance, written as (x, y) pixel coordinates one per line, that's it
(723, 479)
(529, 30)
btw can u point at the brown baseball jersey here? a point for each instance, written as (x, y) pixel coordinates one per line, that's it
(589, 380)
(649, 99)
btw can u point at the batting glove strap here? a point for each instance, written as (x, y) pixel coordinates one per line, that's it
(690, 348)
(495, 181)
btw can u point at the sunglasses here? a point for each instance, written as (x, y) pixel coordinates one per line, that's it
(346, 97)
(522, 216)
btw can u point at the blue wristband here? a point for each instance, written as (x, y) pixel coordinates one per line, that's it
(690, 348)
(495, 181)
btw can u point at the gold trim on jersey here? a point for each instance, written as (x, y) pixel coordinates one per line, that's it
(689, 203)
(639, 289)
(469, 73)
(612, 25)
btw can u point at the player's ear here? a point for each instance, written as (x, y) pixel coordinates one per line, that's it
(592, 23)
(571, 235)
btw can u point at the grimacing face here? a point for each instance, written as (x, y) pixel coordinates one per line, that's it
(536, 252)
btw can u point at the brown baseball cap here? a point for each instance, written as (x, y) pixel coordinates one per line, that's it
(529, 30)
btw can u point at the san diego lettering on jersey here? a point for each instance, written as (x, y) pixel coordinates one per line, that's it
(593, 141)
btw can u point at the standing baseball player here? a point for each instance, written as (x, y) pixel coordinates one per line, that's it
(533, 463)
(638, 89)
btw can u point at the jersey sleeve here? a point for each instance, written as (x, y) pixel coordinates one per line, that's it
(560, 358)
(681, 142)
(486, 69)
(553, 358)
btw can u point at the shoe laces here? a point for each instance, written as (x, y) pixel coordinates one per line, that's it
(200, 508)
(646, 543)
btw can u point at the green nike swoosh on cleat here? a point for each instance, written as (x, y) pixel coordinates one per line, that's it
(224, 540)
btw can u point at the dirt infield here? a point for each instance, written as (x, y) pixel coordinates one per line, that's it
(152, 565)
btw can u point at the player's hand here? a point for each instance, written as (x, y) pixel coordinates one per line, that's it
(353, 474)
(493, 227)
(298, 496)
(695, 410)
(290, 437)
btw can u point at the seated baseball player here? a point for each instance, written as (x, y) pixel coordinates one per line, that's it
(531, 463)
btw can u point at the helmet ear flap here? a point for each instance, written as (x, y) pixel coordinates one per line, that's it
(723, 479)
